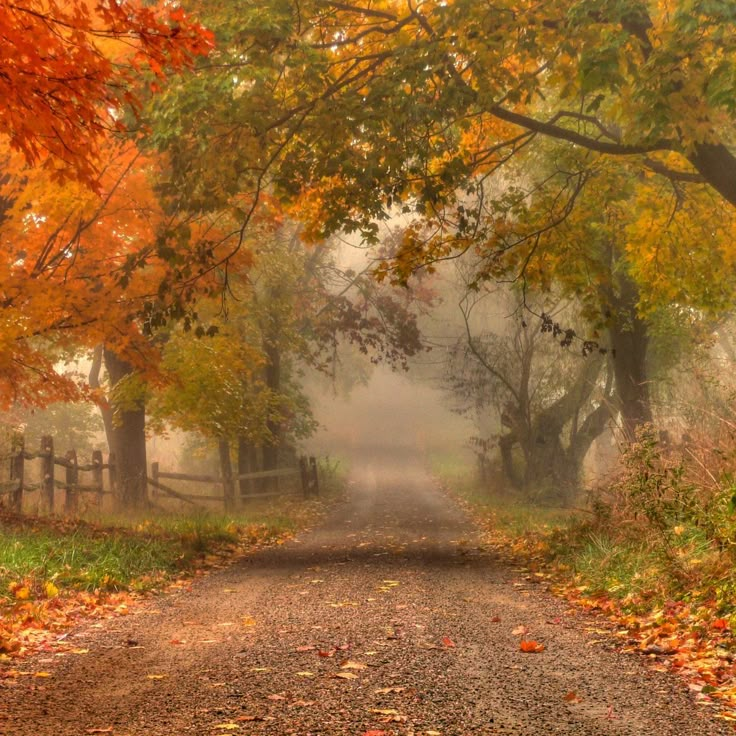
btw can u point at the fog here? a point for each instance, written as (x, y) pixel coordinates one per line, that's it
(393, 416)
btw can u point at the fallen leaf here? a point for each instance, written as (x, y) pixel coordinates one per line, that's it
(494, 620)
(248, 718)
(387, 690)
(278, 696)
(573, 697)
(305, 674)
(350, 665)
(51, 590)
(99, 730)
(305, 648)
(385, 711)
(249, 621)
(447, 642)
(346, 675)
(520, 631)
(156, 677)
(227, 726)
(42, 674)
(531, 647)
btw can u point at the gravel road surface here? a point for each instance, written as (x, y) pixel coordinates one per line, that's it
(388, 619)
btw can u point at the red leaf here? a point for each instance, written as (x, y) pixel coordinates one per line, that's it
(531, 647)
(447, 642)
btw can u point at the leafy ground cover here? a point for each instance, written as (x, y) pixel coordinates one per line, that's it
(55, 572)
(653, 555)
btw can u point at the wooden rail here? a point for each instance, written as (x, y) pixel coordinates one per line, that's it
(73, 485)
(309, 482)
(17, 485)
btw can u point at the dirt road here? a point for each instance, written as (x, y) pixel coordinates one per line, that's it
(386, 620)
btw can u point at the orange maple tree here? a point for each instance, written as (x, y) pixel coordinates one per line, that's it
(78, 268)
(68, 68)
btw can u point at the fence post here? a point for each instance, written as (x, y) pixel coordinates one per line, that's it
(154, 477)
(71, 502)
(17, 471)
(97, 479)
(47, 472)
(304, 471)
(314, 474)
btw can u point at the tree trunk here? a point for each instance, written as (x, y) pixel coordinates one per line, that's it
(94, 383)
(506, 446)
(630, 341)
(273, 381)
(128, 440)
(246, 464)
(226, 471)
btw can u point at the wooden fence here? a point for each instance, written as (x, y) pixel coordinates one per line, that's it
(69, 480)
(306, 472)
(14, 482)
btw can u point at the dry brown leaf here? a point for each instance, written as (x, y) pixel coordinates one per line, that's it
(346, 675)
(349, 664)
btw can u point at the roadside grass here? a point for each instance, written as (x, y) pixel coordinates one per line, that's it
(54, 571)
(112, 553)
(654, 553)
(642, 557)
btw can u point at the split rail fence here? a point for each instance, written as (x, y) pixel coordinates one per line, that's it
(15, 483)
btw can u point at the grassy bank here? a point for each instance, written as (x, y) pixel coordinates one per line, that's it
(55, 571)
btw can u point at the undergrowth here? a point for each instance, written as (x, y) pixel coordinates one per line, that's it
(664, 531)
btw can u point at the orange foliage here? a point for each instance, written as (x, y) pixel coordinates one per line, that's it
(67, 71)
(78, 267)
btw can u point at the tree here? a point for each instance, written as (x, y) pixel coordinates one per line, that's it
(469, 86)
(549, 406)
(69, 71)
(286, 311)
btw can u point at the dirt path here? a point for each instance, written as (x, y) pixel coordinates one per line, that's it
(393, 581)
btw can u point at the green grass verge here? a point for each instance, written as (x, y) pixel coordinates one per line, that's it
(122, 554)
(622, 558)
